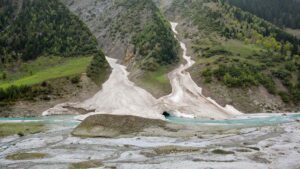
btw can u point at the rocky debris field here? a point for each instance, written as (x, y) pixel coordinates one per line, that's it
(159, 145)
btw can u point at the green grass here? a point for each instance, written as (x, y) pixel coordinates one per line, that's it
(25, 156)
(240, 48)
(158, 76)
(236, 50)
(156, 82)
(8, 129)
(45, 69)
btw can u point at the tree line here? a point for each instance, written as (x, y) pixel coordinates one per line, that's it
(281, 13)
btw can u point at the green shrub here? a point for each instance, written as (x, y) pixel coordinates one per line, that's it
(240, 75)
(4, 76)
(284, 96)
(75, 80)
(207, 74)
(282, 74)
(99, 68)
(14, 93)
(267, 82)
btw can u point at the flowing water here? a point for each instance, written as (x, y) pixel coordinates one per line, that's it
(59, 120)
(238, 121)
(241, 121)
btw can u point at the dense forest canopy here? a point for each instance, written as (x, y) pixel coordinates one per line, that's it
(8, 11)
(42, 27)
(283, 13)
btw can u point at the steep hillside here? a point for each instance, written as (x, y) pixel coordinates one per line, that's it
(282, 13)
(41, 41)
(241, 59)
(135, 32)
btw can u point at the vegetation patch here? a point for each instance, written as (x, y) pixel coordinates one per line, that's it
(238, 50)
(44, 27)
(26, 156)
(174, 149)
(68, 67)
(99, 69)
(223, 152)
(86, 164)
(156, 82)
(149, 32)
(45, 41)
(21, 129)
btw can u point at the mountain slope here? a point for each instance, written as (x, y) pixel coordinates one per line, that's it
(42, 42)
(241, 59)
(135, 32)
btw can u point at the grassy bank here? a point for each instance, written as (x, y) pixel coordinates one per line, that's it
(44, 69)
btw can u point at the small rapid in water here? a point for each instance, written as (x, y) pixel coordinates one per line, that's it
(60, 120)
(240, 121)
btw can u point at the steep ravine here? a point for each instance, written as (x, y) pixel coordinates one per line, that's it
(122, 97)
(186, 98)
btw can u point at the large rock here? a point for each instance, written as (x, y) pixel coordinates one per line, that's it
(104, 125)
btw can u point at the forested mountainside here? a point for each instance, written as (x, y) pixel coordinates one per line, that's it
(239, 54)
(281, 13)
(42, 40)
(8, 11)
(136, 32)
(44, 28)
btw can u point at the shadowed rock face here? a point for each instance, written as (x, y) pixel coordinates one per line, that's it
(105, 125)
